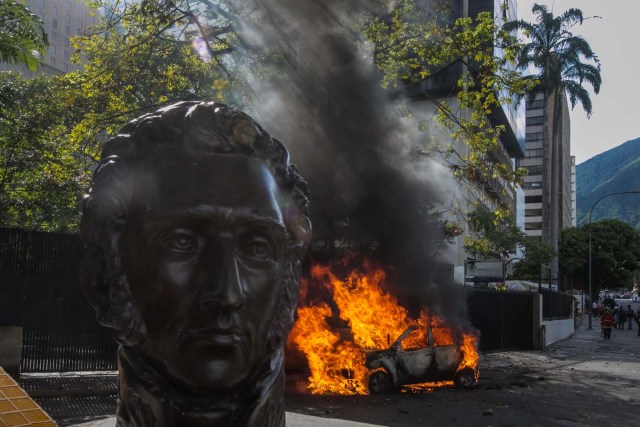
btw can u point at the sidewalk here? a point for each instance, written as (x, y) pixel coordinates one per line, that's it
(587, 351)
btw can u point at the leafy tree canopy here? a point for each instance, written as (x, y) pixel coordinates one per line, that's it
(563, 64)
(52, 129)
(39, 174)
(493, 240)
(562, 60)
(143, 56)
(22, 36)
(615, 254)
(414, 44)
(536, 255)
(499, 240)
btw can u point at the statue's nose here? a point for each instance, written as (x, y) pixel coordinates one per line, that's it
(224, 284)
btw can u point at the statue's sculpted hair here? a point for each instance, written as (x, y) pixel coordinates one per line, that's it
(190, 128)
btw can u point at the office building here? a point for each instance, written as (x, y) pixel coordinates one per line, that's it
(537, 155)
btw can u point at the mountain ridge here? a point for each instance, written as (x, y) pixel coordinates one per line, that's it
(615, 170)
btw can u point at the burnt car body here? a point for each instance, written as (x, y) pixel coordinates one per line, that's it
(431, 363)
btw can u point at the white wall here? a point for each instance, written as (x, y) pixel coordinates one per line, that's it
(557, 330)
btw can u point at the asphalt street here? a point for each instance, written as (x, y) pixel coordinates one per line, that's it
(581, 381)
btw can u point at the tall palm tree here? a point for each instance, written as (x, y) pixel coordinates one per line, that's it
(563, 64)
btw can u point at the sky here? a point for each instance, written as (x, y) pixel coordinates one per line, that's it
(614, 38)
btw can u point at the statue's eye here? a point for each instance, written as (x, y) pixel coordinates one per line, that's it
(257, 248)
(179, 241)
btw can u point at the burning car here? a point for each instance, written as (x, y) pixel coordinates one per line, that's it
(414, 366)
(341, 336)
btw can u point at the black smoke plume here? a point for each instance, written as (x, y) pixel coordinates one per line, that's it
(368, 184)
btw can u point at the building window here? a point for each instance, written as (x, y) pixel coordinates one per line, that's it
(66, 68)
(68, 4)
(532, 185)
(535, 120)
(67, 30)
(66, 55)
(52, 49)
(538, 103)
(54, 23)
(534, 170)
(66, 42)
(54, 36)
(533, 226)
(533, 212)
(55, 11)
(67, 19)
(538, 152)
(533, 199)
(535, 113)
(52, 61)
(79, 25)
(535, 136)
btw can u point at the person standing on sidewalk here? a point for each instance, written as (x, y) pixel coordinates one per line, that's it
(607, 322)
(630, 316)
(637, 317)
(622, 318)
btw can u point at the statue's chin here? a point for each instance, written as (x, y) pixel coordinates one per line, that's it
(198, 366)
(210, 376)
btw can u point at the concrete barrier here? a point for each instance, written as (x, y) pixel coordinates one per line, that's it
(11, 349)
(557, 330)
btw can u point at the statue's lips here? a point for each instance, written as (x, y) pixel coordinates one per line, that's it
(218, 336)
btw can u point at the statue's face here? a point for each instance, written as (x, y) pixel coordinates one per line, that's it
(205, 267)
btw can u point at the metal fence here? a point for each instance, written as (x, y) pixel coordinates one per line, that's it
(504, 319)
(40, 291)
(556, 305)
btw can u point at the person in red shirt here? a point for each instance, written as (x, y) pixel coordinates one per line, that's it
(606, 323)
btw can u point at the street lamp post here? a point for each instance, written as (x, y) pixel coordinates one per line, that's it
(637, 191)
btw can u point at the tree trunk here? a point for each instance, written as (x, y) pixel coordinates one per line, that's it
(547, 173)
(556, 177)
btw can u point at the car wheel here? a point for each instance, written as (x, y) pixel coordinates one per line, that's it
(465, 378)
(380, 382)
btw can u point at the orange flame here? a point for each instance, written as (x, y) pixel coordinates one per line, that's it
(374, 319)
(470, 354)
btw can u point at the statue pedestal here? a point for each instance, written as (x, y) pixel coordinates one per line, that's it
(293, 420)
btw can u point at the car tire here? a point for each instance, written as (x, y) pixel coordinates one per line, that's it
(465, 378)
(380, 382)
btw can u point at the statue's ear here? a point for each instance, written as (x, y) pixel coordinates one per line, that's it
(301, 229)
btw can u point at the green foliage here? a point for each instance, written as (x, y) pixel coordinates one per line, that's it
(615, 255)
(498, 240)
(564, 63)
(22, 36)
(574, 252)
(40, 174)
(412, 45)
(536, 254)
(136, 62)
(52, 129)
(562, 60)
(494, 239)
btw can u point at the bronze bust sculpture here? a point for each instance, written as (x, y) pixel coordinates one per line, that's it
(194, 228)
